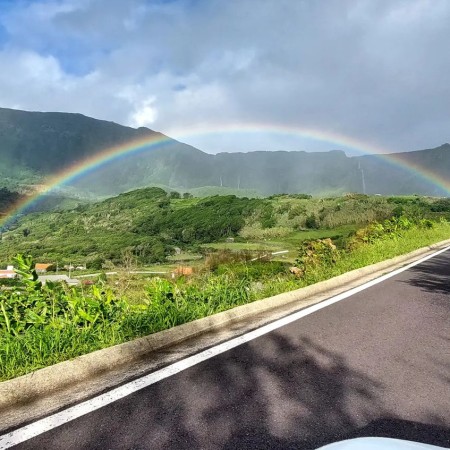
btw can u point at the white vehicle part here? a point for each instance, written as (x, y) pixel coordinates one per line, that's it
(373, 443)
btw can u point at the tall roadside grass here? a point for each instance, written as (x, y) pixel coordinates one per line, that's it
(378, 242)
(367, 253)
(43, 325)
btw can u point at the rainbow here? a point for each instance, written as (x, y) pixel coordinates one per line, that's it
(157, 140)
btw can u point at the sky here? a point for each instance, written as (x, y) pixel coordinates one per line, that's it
(238, 75)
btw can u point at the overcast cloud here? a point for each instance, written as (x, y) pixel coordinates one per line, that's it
(377, 71)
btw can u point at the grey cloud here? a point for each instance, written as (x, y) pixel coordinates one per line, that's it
(372, 70)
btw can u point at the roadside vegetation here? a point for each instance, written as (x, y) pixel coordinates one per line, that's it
(238, 250)
(45, 324)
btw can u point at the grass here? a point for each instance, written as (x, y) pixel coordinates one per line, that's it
(389, 248)
(378, 251)
(166, 307)
(240, 246)
(299, 236)
(164, 304)
(184, 256)
(288, 242)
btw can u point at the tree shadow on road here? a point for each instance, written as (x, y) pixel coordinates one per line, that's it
(433, 276)
(290, 395)
(273, 393)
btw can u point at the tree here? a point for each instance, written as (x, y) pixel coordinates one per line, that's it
(311, 222)
(96, 264)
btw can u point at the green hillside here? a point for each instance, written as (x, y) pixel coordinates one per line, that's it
(150, 223)
(35, 145)
(213, 254)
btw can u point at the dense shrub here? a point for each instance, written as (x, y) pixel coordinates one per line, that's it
(388, 229)
(254, 270)
(268, 219)
(311, 222)
(207, 221)
(296, 211)
(315, 253)
(441, 205)
(297, 196)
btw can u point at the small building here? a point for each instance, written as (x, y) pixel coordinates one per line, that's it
(8, 273)
(59, 279)
(43, 268)
(182, 271)
(230, 240)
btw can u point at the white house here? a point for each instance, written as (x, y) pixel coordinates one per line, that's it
(8, 273)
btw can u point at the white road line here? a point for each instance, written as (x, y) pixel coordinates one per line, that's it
(55, 420)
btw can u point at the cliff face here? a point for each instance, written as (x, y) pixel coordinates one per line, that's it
(34, 145)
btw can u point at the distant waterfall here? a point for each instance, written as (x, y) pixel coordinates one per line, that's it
(363, 180)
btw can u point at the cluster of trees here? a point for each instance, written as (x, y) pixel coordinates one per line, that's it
(148, 223)
(7, 198)
(441, 205)
(209, 220)
(297, 196)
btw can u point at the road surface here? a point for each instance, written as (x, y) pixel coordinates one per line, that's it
(374, 364)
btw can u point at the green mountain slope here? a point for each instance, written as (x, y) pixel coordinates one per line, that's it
(387, 177)
(35, 145)
(149, 223)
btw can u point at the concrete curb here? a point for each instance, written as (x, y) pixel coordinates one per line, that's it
(27, 390)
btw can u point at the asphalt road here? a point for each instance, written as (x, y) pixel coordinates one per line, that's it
(374, 364)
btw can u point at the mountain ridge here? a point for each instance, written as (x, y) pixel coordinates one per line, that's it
(36, 145)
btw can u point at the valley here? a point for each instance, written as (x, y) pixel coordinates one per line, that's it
(150, 225)
(159, 260)
(133, 232)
